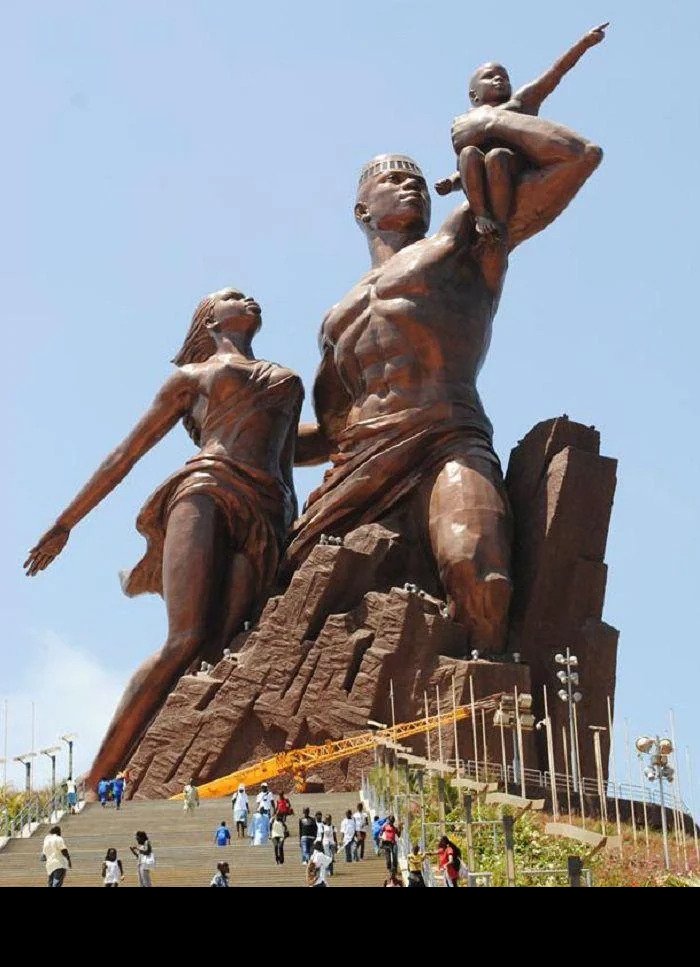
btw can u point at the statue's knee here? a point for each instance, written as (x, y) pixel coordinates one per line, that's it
(181, 647)
(470, 155)
(499, 159)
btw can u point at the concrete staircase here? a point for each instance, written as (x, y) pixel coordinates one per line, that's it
(183, 846)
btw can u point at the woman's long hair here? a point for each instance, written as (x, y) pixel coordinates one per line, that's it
(198, 346)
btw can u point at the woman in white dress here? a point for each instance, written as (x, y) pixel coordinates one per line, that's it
(241, 808)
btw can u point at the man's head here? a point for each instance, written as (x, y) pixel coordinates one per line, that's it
(55, 830)
(392, 196)
(489, 84)
(223, 868)
(223, 822)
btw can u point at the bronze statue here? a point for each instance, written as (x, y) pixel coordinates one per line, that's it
(216, 528)
(395, 395)
(488, 167)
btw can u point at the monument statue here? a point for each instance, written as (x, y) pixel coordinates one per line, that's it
(487, 170)
(216, 528)
(395, 395)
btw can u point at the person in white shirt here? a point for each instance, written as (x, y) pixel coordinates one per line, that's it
(347, 831)
(241, 808)
(361, 818)
(265, 799)
(56, 857)
(191, 797)
(330, 841)
(112, 869)
(317, 866)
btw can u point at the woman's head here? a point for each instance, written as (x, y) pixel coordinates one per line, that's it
(111, 855)
(226, 311)
(444, 843)
(141, 837)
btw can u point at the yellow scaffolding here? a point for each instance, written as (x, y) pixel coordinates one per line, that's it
(298, 761)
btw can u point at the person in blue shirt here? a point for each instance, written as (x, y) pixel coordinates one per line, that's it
(377, 824)
(118, 790)
(222, 837)
(102, 790)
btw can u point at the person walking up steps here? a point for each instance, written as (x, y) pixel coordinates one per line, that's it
(317, 866)
(112, 869)
(279, 834)
(415, 866)
(222, 837)
(190, 798)
(56, 856)
(102, 792)
(361, 826)
(347, 831)
(143, 851)
(307, 834)
(220, 878)
(330, 841)
(389, 837)
(241, 808)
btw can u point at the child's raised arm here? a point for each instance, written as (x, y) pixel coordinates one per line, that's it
(533, 94)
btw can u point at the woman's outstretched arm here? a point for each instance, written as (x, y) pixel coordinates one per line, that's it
(171, 403)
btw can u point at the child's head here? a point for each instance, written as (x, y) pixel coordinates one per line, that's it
(111, 855)
(416, 849)
(489, 84)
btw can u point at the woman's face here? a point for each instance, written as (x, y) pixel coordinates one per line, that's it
(232, 311)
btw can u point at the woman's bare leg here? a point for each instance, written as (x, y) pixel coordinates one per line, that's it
(237, 597)
(189, 564)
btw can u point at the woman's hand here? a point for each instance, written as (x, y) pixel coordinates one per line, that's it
(47, 548)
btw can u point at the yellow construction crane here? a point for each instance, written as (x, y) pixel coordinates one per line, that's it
(298, 761)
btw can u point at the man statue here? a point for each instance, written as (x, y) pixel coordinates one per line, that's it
(395, 395)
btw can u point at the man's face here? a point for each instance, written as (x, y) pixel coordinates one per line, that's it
(490, 84)
(396, 201)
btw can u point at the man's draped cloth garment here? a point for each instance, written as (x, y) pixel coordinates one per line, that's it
(380, 461)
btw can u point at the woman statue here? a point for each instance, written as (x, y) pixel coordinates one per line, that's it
(216, 528)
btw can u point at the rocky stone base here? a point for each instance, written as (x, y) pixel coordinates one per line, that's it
(320, 660)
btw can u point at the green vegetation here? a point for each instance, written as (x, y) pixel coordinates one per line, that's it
(534, 849)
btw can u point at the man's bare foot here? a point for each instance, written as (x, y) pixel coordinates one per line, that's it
(444, 186)
(487, 226)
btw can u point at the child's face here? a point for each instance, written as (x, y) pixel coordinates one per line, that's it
(490, 84)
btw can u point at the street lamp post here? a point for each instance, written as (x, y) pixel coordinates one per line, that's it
(570, 678)
(657, 770)
(51, 753)
(26, 760)
(68, 739)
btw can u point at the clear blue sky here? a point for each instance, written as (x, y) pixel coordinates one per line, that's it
(156, 151)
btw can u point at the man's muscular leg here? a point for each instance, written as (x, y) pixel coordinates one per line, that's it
(470, 534)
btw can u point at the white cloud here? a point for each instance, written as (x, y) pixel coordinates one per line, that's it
(71, 692)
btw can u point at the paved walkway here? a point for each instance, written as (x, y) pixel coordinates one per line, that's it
(183, 846)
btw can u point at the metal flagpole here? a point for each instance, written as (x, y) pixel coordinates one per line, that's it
(454, 725)
(550, 756)
(483, 739)
(581, 796)
(503, 756)
(629, 780)
(614, 765)
(439, 731)
(692, 801)
(644, 808)
(474, 732)
(597, 729)
(566, 769)
(427, 730)
(677, 793)
(519, 733)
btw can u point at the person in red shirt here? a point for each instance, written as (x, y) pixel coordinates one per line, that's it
(388, 839)
(284, 808)
(449, 858)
